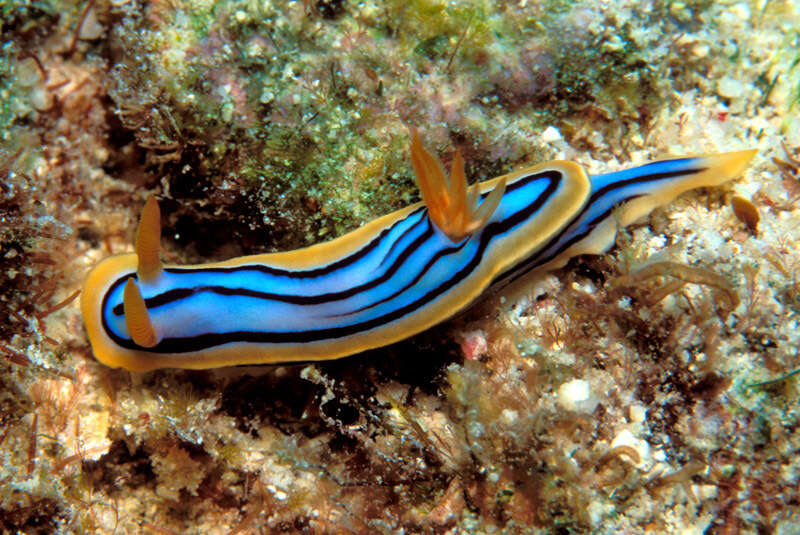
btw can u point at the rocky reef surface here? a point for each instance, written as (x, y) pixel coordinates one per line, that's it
(647, 390)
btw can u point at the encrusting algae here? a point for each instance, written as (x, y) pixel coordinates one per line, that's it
(647, 390)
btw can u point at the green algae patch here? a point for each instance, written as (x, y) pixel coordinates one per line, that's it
(292, 124)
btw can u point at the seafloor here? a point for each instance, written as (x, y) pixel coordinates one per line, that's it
(647, 390)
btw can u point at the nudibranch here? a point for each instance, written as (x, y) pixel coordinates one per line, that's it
(393, 277)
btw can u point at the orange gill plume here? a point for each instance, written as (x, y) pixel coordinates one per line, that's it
(451, 205)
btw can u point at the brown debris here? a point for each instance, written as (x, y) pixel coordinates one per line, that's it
(747, 213)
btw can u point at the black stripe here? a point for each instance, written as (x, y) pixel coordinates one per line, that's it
(535, 261)
(171, 296)
(652, 177)
(300, 273)
(402, 235)
(526, 266)
(323, 270)
(428, 266)
(174, 295)
(493, 229)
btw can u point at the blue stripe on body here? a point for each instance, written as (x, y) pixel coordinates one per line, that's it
(427, 270)
(608, 191)
(220, 313)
